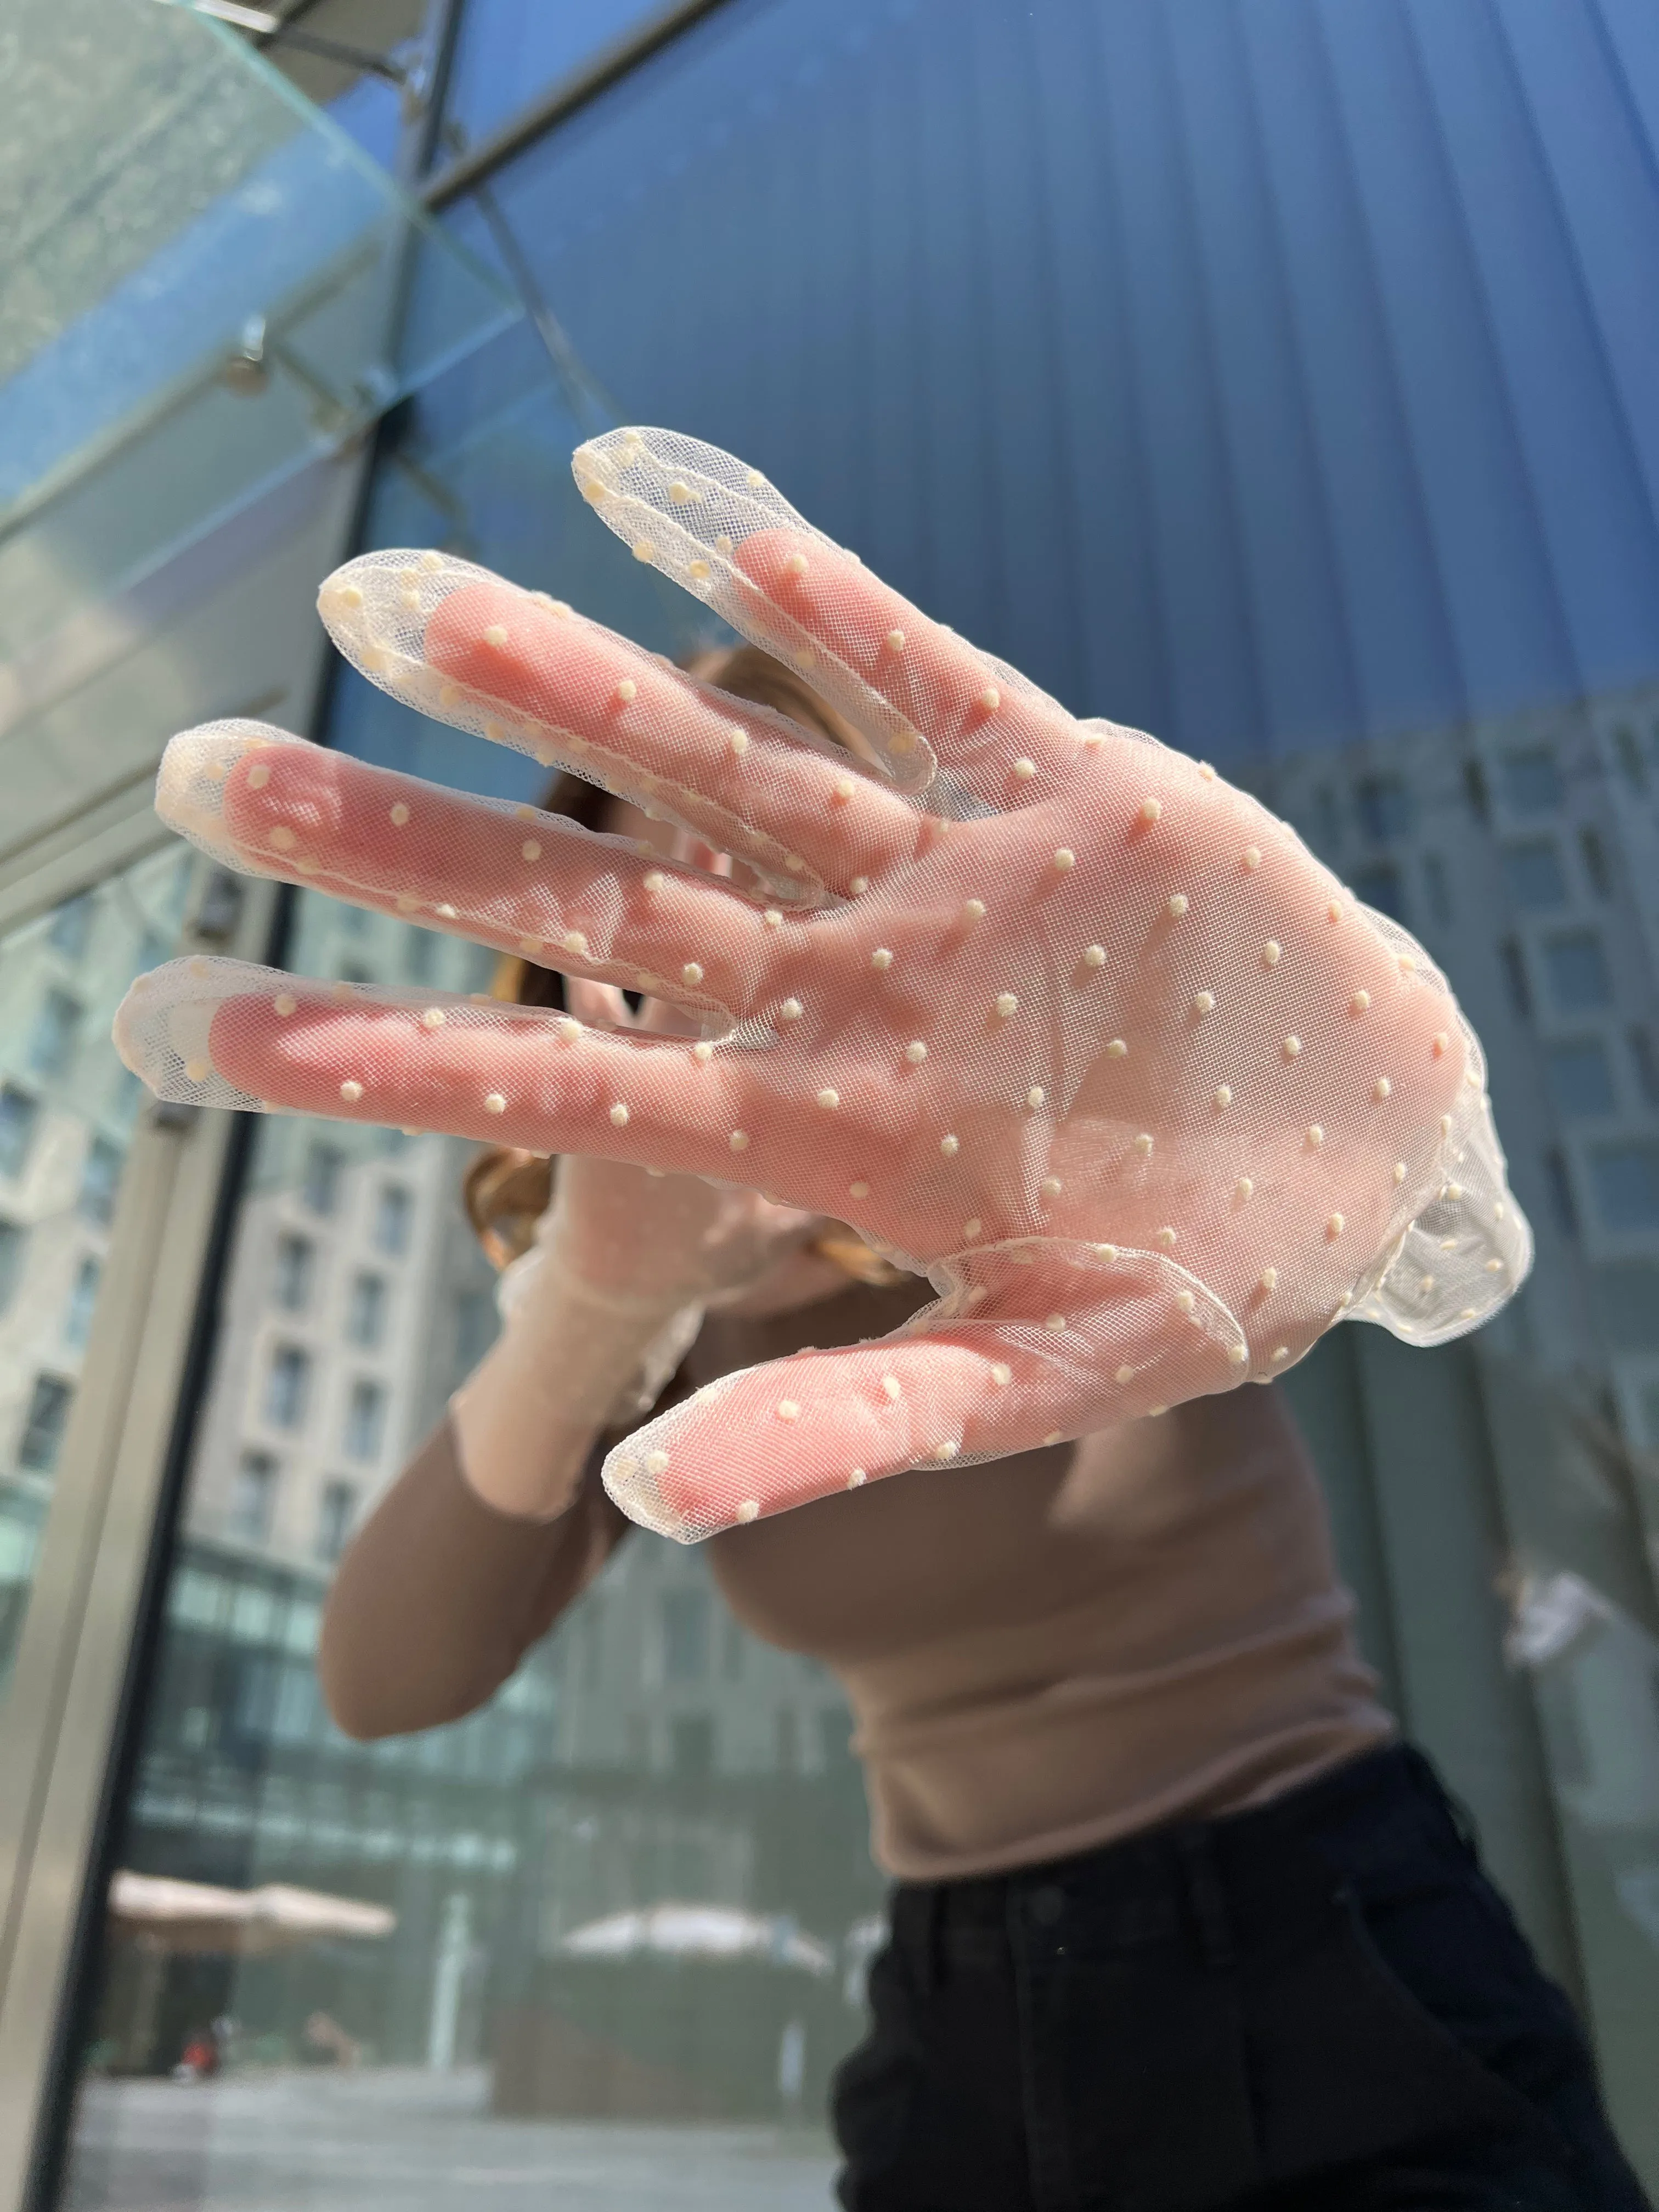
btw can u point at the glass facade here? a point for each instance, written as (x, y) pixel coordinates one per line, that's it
(602, 1940)
(67, 1108)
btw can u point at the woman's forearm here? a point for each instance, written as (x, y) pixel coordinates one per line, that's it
(527, 1418)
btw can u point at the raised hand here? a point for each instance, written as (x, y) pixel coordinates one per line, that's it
(1053, 1014)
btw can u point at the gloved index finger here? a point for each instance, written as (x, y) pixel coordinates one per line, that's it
(926, 698)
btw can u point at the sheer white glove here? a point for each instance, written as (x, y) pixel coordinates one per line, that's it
(1052, 1014)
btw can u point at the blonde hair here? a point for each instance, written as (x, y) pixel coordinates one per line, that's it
(506, 1191)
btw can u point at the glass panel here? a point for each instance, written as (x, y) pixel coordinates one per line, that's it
(66, 1113)
(511, 51)
(207, 286)
(649, 1753)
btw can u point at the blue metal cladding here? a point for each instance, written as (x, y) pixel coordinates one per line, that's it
(1269, 373)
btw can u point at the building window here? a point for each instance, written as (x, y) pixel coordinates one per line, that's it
(1577, 969)
(253, 1498)
(1645, 1058)
(1379, 885)
(335, 1511)
(1597, 867)
(366, 1312)
(835, 1735)
(1532, 781)
(1626, 1180)
(19, 1116)
(1439, 891)
(787, 1740)
(1630, 758)
(1385, 806)
(14, 1245)
(393, 1211)
(43, 1424)
(296, 1260)
(476, 1322)
(685, 1635)
(1559, 1181)
(56, 1033)
(101, 1178)
(420, 954)
(365, 1420)
(1328, 827)
(125, 1093)
(1514, 978)
(691, 1746)
(1533, 876)
(1474, 788)
(1580, 1078)
(71, 926)
(320, 1187)
(287, 1387)
(83, 1297)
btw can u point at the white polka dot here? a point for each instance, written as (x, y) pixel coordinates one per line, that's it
(895, 640)
(890, 1384)
(619, 1116)
(1268, 1279)
(1243, 1187)
(796, 564)
(881, 959)
(1360, 1000)
(1125, 1374)
(284, 838)
(829, 1099)
(915, 1052)
(858, 1190)
(973, 909)
(1252, 857)
(1177, 905)
(737, 743)
(1167, 1238)
(627, 690)
(351, 1092)
(1380, 1088)
(949, 1146)
(530, 849)
(1224, 1095)
(1001, 1373)
(789, 1410)
(198, 1070)
(572, 941)
(1005, 1003)
(1151, 809)
(1238, 1355)
(1335, 1225)
(1024, 769)
(1187, 1302)
(1116, 1049)
(1065, 859)
(1055, 1320)
(1315, 1137)
(1272, 952)
(790, 1010)
(691, 974)
(1292, 1046)
(1050, 1187)
(433, 1018)
(285, 1002)
(494, 1103)
(1035, 1096)
(703, 1053)
(495, 635)
(738, 1140)
(749, 1510)
(1203, 1003)
(258, 776)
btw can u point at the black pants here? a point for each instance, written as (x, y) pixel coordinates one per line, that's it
(1323, 2006)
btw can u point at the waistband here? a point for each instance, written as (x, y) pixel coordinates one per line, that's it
(1378, 1824)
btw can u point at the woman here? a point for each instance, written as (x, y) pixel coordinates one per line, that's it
(1179, 1922)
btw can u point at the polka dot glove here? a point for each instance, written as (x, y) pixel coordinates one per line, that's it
(1052, 1014)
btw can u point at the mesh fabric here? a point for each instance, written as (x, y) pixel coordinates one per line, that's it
(1048, 1012)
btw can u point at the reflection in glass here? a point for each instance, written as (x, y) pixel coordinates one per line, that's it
(65, 1124)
